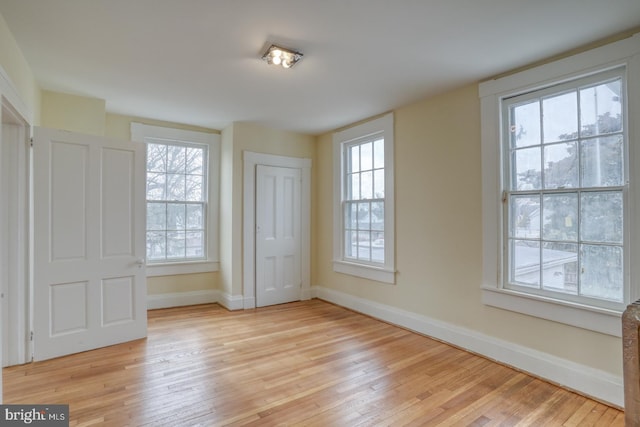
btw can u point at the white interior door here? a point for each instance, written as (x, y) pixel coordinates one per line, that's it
(89, 284)
(278, 243)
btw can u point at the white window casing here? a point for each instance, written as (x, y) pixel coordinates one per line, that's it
(604, 318)
(161, 135)
(380, 267)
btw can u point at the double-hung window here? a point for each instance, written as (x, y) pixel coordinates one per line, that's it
(181, 199)
(559, 186)
(363, 209)
(176, 201)
(565, 199)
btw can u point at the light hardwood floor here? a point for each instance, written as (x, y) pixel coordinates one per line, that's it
(306, 363)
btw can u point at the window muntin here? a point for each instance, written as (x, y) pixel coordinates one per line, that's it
(176, 201)
(363, 210)
(363, 200)
(565, 194)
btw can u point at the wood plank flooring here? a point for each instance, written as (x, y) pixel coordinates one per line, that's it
(307, 363)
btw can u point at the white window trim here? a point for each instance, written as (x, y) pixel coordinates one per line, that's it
(622, 53)
(141, 131)
(385, 273)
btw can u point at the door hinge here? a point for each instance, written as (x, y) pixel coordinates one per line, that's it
(31, 336)
(30, 142)
(504, 197)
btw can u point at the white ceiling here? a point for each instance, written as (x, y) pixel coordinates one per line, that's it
(198, 61)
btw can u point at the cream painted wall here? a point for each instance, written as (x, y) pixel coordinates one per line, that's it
(439, 232)
(236, 139)
(73, 113)
(182, 283)
(19, 72)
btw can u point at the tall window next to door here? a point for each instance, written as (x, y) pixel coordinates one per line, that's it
(181, 192)
(363, 211)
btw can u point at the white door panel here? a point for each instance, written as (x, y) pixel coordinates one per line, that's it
(118, 190)
(89, 289)
(278, 238)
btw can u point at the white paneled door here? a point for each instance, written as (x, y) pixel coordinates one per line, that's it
(278, 238)
(89, 283)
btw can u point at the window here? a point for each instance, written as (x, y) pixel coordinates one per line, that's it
(176, 201)
(559, 188)
(363, 208)
(181, 192)
(363, 202)
(565, 190)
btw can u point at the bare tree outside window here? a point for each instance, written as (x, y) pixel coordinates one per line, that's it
(176, 202)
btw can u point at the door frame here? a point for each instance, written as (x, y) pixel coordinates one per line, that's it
(11, 99)
(16, 246)
(251, 161)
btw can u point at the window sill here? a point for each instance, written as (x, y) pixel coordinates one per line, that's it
(171, 269)
(365, 271)
(582, 316)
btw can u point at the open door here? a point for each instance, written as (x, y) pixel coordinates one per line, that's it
(89, 282)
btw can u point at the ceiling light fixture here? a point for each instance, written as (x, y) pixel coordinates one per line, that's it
(278, 55)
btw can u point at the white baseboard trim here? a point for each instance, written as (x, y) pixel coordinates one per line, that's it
(583, 379)
(249, 303)
(306, 294)
(178, 299)
(231, 302)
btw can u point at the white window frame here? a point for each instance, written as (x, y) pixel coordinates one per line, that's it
(380, 272)
(148, 133)
(624, 53)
